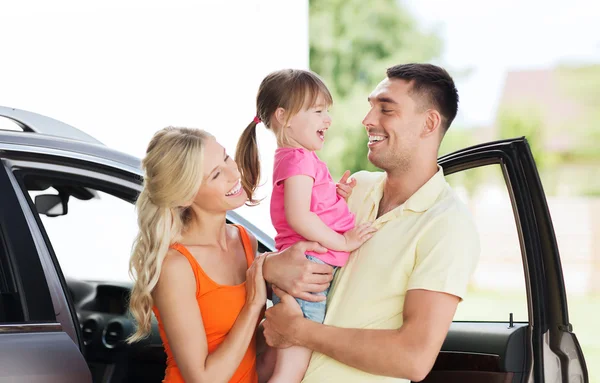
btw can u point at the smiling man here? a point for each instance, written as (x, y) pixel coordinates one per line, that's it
(391, 306)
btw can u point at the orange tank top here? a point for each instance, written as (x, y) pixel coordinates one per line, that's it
(220, 306)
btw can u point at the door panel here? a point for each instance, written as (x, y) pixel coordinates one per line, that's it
(482, 352)
(469, 377)
(41, 357)
(506, 345)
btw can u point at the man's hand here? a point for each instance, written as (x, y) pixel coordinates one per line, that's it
(344, 187)
(292, 272)
(281, 319)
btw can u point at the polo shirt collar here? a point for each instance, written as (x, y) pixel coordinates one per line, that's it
(426, 196)
(421, 200)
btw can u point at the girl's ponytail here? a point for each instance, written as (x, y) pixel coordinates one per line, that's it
(247, 158)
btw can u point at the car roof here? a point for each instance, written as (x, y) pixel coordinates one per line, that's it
(45, 135)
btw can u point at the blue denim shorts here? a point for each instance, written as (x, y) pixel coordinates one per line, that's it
(314, 311)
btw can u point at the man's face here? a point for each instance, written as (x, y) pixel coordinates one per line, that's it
(394, 125)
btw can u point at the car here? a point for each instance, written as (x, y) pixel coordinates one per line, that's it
(57, 328)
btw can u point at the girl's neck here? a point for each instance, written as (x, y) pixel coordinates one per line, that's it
(292, 147)
(289, 144)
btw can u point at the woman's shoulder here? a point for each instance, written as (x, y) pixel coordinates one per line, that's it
(239, 231)
(176, 273)
(174, 263)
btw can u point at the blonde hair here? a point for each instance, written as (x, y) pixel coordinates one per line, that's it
(290, 89)
(173, 174)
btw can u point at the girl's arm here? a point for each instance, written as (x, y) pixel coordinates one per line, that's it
(175, 298)
(297, 196)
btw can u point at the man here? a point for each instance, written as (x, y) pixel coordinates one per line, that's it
(391, 306)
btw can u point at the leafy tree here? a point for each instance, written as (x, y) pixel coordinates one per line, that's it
(352, 42)
(525, 121)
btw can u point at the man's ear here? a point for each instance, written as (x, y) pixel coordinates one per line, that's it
(433, 122)
(280, 116)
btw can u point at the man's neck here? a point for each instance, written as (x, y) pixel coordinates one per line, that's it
(401, 185)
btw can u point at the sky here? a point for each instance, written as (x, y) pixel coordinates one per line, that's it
(492, 37)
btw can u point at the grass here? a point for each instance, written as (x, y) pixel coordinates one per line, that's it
(492, 306)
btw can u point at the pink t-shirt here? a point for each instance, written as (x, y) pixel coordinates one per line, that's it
(325, 202)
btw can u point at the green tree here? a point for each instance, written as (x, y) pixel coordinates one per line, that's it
(352, 42)
(521, 121)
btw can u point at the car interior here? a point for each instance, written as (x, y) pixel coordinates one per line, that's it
(472, 352)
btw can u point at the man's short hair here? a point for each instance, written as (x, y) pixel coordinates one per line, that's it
(433, 84)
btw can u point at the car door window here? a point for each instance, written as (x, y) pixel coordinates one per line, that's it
(93, 239)
(497, 287)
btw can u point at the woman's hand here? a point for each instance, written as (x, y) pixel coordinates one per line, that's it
(256, 289)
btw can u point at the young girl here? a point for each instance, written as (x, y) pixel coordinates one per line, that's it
(304, 204)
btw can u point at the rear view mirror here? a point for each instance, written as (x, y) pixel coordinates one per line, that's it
(51, 205)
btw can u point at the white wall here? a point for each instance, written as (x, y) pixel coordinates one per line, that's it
(120, 70)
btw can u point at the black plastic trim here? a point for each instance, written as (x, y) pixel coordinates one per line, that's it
(31, 281)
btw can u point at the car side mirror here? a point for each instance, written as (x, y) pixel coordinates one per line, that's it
(51, 205)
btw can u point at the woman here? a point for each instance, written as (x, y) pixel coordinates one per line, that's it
(195, 272)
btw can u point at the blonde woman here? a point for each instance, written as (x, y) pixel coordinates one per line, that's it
(196, 273)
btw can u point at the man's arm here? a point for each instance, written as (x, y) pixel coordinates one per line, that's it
(408, 352)
(446, 256)
(291, 271)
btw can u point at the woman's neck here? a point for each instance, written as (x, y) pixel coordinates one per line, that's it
(206, 229)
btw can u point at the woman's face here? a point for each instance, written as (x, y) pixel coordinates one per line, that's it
(221, 189)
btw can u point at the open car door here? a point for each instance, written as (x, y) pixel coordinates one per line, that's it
(540, 346)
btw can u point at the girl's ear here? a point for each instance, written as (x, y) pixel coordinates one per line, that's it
(280, 116)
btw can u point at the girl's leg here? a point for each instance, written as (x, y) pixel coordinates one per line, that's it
(292, 362)
(291, 365)
(265, 364)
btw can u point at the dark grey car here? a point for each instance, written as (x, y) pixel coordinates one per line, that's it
(58, 330)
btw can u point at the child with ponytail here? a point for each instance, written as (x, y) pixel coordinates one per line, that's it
(305, 205)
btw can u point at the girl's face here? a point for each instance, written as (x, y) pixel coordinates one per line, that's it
(221, 189)
(307, 128)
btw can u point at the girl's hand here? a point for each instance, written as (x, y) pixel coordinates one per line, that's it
(359, 235)
(344, 187)
(256, 288)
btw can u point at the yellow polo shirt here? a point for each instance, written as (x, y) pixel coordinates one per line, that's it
(430, 242)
